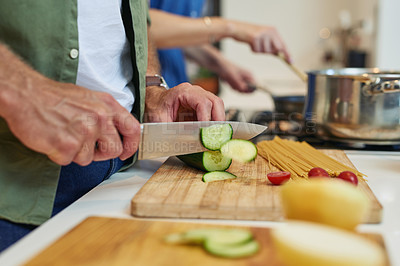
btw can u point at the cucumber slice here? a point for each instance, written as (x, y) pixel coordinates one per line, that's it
(177, 238)
(207, 161)
(223, 236)
(214, 136)
(224, 242)
(232, 251)
(217, 176)
(239, 150)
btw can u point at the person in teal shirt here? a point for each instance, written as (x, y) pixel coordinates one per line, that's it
(63, 129)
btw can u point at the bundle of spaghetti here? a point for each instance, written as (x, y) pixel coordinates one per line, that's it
(299, 157)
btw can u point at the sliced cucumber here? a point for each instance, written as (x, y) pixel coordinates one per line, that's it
(217, 176)
(232, 251)
(207, 161)
(224, 242)
(214, 136)
(223, 236)
(177, 238)
(239, 150)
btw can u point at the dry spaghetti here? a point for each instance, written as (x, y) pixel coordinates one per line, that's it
(299, 157)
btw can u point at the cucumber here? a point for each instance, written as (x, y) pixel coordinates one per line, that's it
(239, 150)
(217, 176)
(177, 238)
(207, 161)
(223, 242)
(232, 251)
(222, 236)
(214, 136)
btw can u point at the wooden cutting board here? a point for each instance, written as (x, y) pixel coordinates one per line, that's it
(177, 191)
(109, 241)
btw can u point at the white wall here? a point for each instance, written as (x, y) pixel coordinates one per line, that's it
(388, 42)
(299, 23)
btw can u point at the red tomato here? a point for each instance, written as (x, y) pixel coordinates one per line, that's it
(318, 172)
(349, 177)
(278, 178)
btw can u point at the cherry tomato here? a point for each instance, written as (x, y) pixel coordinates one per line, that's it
(318, 172)
(278, 178)
(349, 177)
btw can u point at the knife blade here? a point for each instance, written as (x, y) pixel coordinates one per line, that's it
(177, 138)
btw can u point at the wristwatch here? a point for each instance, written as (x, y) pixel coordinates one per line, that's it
(156, 80)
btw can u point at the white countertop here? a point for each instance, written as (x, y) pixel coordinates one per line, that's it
(112, 198)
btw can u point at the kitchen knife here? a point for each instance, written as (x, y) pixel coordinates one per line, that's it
(177, 138)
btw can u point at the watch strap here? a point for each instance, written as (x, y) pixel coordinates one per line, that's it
(156, 80)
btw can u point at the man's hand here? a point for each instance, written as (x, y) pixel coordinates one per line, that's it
(211, 58)
(238, 78)
(66, 122)
(182, 102)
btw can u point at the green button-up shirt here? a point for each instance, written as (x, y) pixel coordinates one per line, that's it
(45, 35)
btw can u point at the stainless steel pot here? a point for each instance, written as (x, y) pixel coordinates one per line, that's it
(354, 104)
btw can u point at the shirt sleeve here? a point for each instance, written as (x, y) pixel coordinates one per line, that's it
(148, 14)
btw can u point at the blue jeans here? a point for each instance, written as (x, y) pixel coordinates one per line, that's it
(75, 181)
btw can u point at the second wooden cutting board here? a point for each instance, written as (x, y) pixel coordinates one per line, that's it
(110, 241)
(177, 191)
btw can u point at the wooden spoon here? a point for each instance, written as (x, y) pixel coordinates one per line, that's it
(298, 72)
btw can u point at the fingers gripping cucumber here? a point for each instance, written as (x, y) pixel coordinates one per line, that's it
(207, 161)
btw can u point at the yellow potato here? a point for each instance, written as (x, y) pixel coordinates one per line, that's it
(325, 200)
(305, 243)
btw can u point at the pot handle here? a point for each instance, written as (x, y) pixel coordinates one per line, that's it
(378, 87)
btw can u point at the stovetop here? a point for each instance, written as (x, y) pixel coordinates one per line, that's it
(294, 127)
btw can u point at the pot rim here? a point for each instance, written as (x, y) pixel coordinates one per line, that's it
(366, 73)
